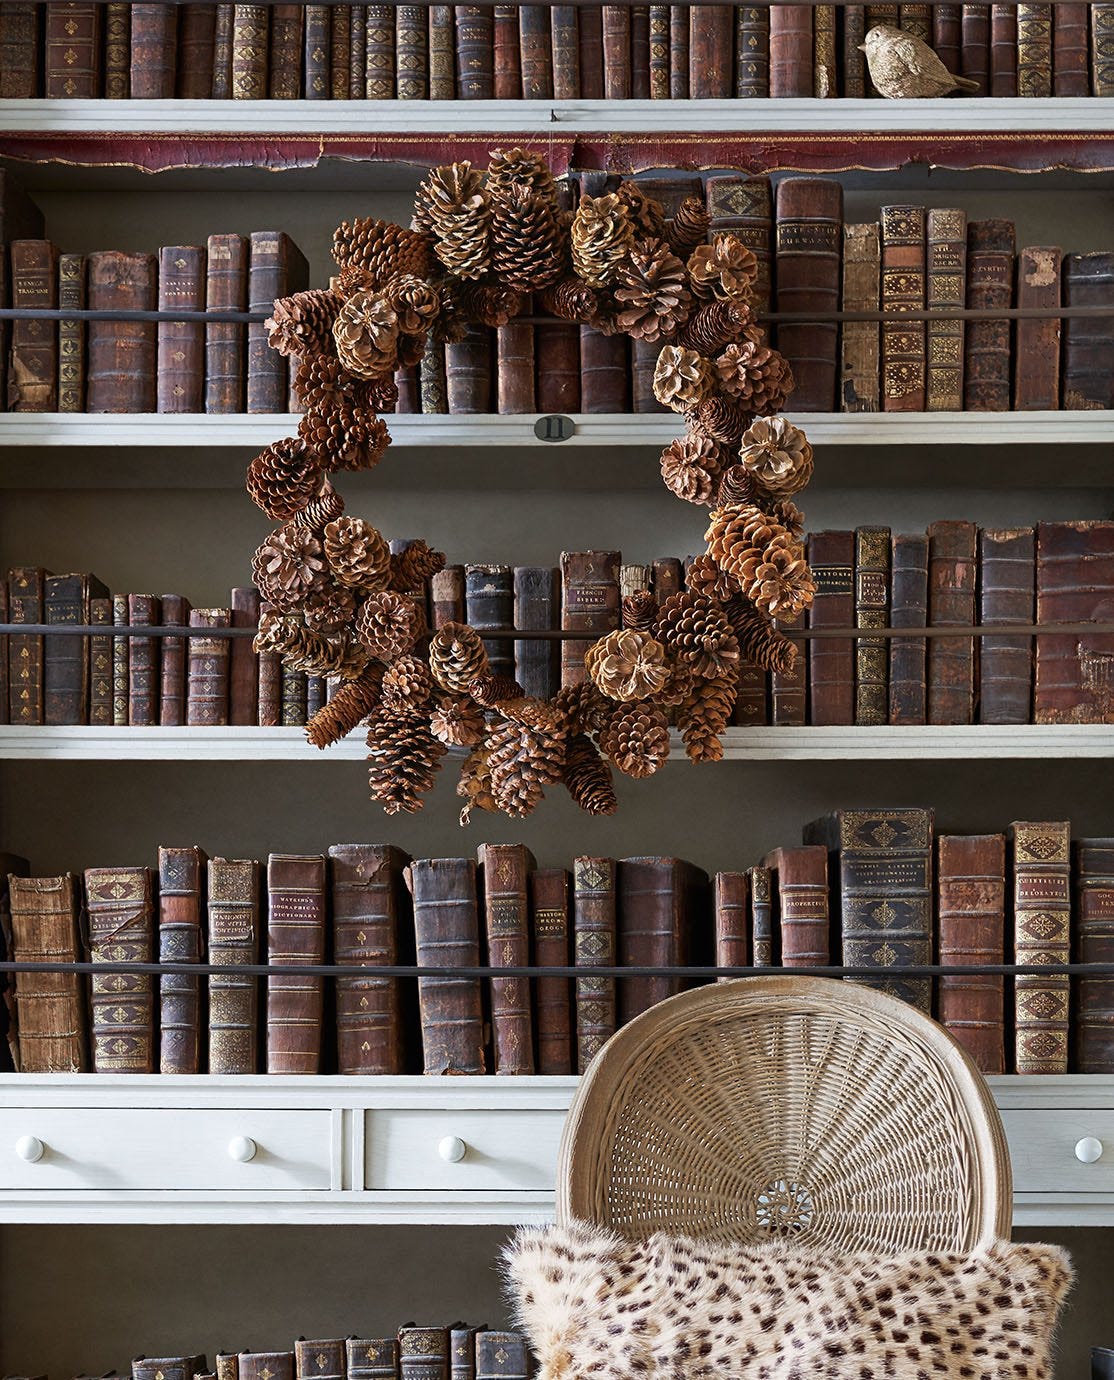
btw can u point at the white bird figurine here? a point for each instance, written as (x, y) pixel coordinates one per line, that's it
(903, 66)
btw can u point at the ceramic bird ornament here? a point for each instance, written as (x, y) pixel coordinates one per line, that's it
(903, 67)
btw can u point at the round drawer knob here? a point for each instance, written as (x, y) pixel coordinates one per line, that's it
(242, 1148)
(1089, 1149)
(452, 1149)
(30, 1148)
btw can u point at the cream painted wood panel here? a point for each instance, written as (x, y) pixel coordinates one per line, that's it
(501, 1150)
(1043, 1147)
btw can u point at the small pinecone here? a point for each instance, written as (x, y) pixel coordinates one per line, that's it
(324, 507)
(582, 708)
(302, 325)
(689, 466)
(713, 325)
(388, 624)
(601, 235)
(491, 688)
(627, 665)
(474, 785)
(329, 609)
(523, 761)
(679, 687)
(452, 203)
(527, 244)
(488, 304)
(682, 378)
(407, 685)
(695, 630)
(349, 706)
(283, 478)
(777, 455)
(791, 518)
(415, 302)
(738, 533)
(323, 384)
(357, 553)
(781, 583)
(705, 577)
(587, 777)
(646, 214)
(403, 760)
(345, 439)
(736, 486)
(366, 335)
(689, 226)
(722, 417)
(636, 739)
(410, 569)
(302, 649)
(456, 657)
(287, 565)
(457, 722)
(759, 641)
(510, 168)
(755, 374)
(703, 716)
(381, 249)
(725, 269)
(639, 610)
(653, 292)
(571, 300)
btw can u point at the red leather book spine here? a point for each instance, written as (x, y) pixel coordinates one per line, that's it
(711, 48)
(207, 697)
(295, 937)
(251, 34)
(514, 365)
(144, 670)
(154, 51)
(508, 60)
(832, 660)
(284, 63)
(971, 897)
(731, 914)
(1041, 855)
(903, 290)
(557, 355)
(1007, 585)
(475, 53)
(589, 24)
(226, 289)
(197, 32)
(119, 903)
(277, 268)
(122, 353)
(1075, 584)
(535, 53)
(222, 54)
(74, 54)
(952, 578)
(243, 660)
(616, 53)
(974, 52)
(446, 923)
(1003, 50)
(318, 53)
(604, 372)
(1088, 340)
(655, 922)
(589, 604)
(679, 52)
(33, 357)
(1070, 50)
(71, 334)
(506, 868)
(379, 78)
(809, 240)
(181, 344)
(990, 246)
(947, 35)
(175, 658)
(1094, 908)
(549, 913)
(181, 940)
(594, 919)
(19, 52)
(801, 881)
(752, 50)
(790, 51)
(908, 609)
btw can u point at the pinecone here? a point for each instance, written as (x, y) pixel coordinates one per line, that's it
(324, 507)
(345, 438)
(323, 384)
(350, 705)
(689, 226)
(736, 486)
(705, 577)
(523, 761)
(527, 244)
(713, 325)
(636, 739)
(287, 565)
(474, 785)
(627, 665)
(302, 649)
(689, 466)
(587, 777)
(759, 641)
(403, 760)
(582, 708)
(407, 685)
(571, 300)
(755, 374)
(302, 325)
(695, 630)
(510, 168)
(778, 456)
(738, 534)
(488, 304)
(722, 417)
(357, 554)
(457, 722)
(602, 236)
(452, 203)
(703, 716)
(646, 214)
(381, 250)
(283, 478)
(490, 688)
(410, 569)
(457, 657)
(682, 378)
(366, 335)
(388, 624)
(679, 686)
(416, 303)
(725, 269)
(639, 611)
(780, 582)
(652, 289)
(329, 609)
(790, 517)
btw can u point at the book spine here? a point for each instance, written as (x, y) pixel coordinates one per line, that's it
(264, 1365)
(752, 699)
(809, 241)
(557, 355)
(678, 52)
(589, 29)
(536, 605)
(666, 578)
(65, 659)
(652, 930)
(318, 53)
(501, 1356)
(222, 53)
(974, 51)
(1003, 50)
(489, 603)
(181, 906)
(412, 52)
(711, 48)
(752, 51)
(379, 70)
(1094, 908)
(475, 55)
(33, 347)
(604, 372)
(226, 289)
(1088, 282)
(858, 377)
(1071, 53)
(357, 51)
(181, 344)
(731, 917)
(946, 287)
(659, 52)
(990, 245)
(233, 943)
(293, 698)
(120, 911)
(640, 52)
(100, 663)
(1034, 51)
(802, 892)
(243, 660)
(372, 1358)
(423, 1353)
(1041, 927)
(340, 47)
(71, 334)
(1036, 380)
(175, 657)
(270, 685)
(549, 914)
(50, 1007)
(207, 696)
(952, 574)
(903, 290)
(535, 54)
(26, 591)
(971, 893)
(791, 51)
(1102, 50)
(947, 34)
(1007, 592)
(446, 592)
(251, 32)
(616, 53)
(824, 80)
(121, 374)
(73, 51)
(320, 1360)
(19, 52)
(744, 206)
(506, 873)
(276, 268)
(594, 920)
(789, 689)
(761, 917)
(295, 937)
(154, 51)
(196, 52)
(589, 604)
(1075, 583)
(831, 671)
(872, 610)
(514, 361)
(508, 57)
(120, 669)
(908, 609)
(468, 372)
(144, 670)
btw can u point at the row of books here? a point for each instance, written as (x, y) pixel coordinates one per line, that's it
(867, 889)
(534, 52)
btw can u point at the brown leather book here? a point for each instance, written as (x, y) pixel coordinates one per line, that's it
(974, 51)
(489, 603)
(475, 56)
(659, 52)
(251, 30)
(468, 371)
(789, 689)
(73, 50)
(447, 927)
(19, 51)
(1003, 50)
(514, 363)
(799, 879)
(154, 44)
(222, 54)
(508, 58)
(946, 287)
(26, 604)
(971, 897)
(266, 1365)
(1070, 50)
(616, 52)
(119, 903)
(379, 72)
(549, 920)
(589, 604)
(659, 908)
(952, 578)
(744, 206)
(711, 49)
(169, 1367)
(537, 603)
(270, 688)
(243, 661)
(174, 660)
(33, 357)
(1094, 909)
(412, 52)
(790, 51)
(666, 578)
(858, 375)
(423, 1353)
(122, 353)
(357, 51)
(372, 1358)
(208, 682)
(640, 52)
(589, 27)
(831, 671)
(990, 245)
(752, 51)
(143, 662)
(100, 663)
(1007, 586)
(432, 387)
(71, 334)
(852, 57)
(506, 869)
(903, 290)
(604, 372)
(320, 1360)
(66, 599)
(5, 682)
(916, 19)
(501, 1356)
(557, 356)
(752, 699)
(408, 384)
(295, 937)
(678, 52)
(1041, 865)
(339, 40)
(1075, 584)
(226, 289)
(564, 25)
(277, 268)
(181, 940)
(10, 865)
(809, 240)
(824, 80)
(731, 918)
(50, 1007)
(284, 59)
(120, 669)
(1036, 379)
(594, 930)
(536, 54)
(234, 926)
(872, 610)
(1034, 51)
(197, 34)
(908, 609)
(447, 596)
(761, 917)
(1088, 282)
(181, 344)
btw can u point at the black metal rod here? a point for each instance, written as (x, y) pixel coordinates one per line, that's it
(576, 4)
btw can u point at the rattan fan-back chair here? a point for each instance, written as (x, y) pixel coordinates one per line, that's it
(800, 1107)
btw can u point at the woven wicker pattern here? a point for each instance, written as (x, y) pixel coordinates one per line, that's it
(795, 1107)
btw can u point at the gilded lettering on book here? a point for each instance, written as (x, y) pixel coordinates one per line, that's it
(821, 237)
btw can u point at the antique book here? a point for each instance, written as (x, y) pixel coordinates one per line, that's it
(270, 687)
(501, 1356)
(446, 596)
(752, 51)
(1041, 859)
(11, 865)
(557, 357)
(589, 33)
(408, 386)
(174, 675)
(5, 679)
(752, 698)
(66, 599)
(640, 52)
(320, 1360)
(33, 343)
(831, 669)
(379, 70)
(119, 904)
(761, 917)
(884, 862)
(659, 50)
(447, 928)
(120, 669)
(489, 603)
(222, 54)
(1036, 366)
(250, 43)
(442, 78)
(594, 931)
(799, 880)
(226, 289)
(974, 51)
(207, 692)
(1075, 584)
(535, 53)
(824, 80)
(144, 670)
(474, 53)
(71, 334)
(1007, 593)
(121, 370)
(276, 268)
(945, 288)
(412, 52)
(971, 899)
(316, 690)
(990, 245)
(604, 372)
(372, 1358)
(154, 51)
(678, 53)
(711, 48)
(659, 905)
(243, 661)
(181, 940)
(616, 52)
(167, 1367)
(295, 937)
(1088, 282)
(357, 51)
(809, 240)
(468, 371)
(903, 290)
(423, 1353)
(643, 362)
(514, 363)
(317, 53)
(731, 919)
(26, 594)
(858, 354)
(19, 51)
(537, 595)
(908, 609)
(234, 927)
(266, 1365)
(226, 1365)
(432, 386)
(100, 662)
(1094, 943)
(1034, 51)
(853, 60)
(508, 58)
(916, 19)
(73, 53)
(196, 52)
(462, 1350)
(791, 53)
(1003, 49)
(666, 578)
(1071, 54)
(505, 870)
(951, 661)
(549, 924)
(872, 610)
(1102, 50)
(789, 689)
(50, 1007)
(181, 344)
(589, 604)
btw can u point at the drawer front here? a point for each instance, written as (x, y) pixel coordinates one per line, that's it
(1043, 1150)
(502, 1150)
(120, 1149)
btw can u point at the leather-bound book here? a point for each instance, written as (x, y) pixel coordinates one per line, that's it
(320, 1360)
(119, 903)
(317, 53)
(501, 1356)
(506, 869)
(266, 1365)
(423, 1353)
(446, 590)
(947, 34)
(549, 923)
(181, 940)
(475, 57)
(74, 55)
(604, 372)
(1102, 50)
(226, 1365)
(181, 344)
(872, 610)
(799, 877)
(11, 865)
(1075, 584)
(824, 81)
(294, 694)
(50, 1007)
(557, 356)
(752, 51)
(1088, 282)
(916, 19)
(1003, 50)
(508, 57)
(100, 663)
(316, 691)
(640, 52)
(468, 371)
(120, 670)
(666, 578)
(589, 605)
(971, 898)
(412, 52)
(71, 334)
(885, 890)
(711, 48)
(1007, 591)
(731, 919)
(408, 384)
(564, 25)
(462, 1350)
(752, 699)
(832, 660)
(908, 609)
(447, 928)
(946, 287)
(594, 940)
(1094, 943)
(616, 52)
(659, 906)
(1034, 51)
(174, 661)
(1041, 865)
(644, 359)
(251, 34)
(33, 357)
(66, 599)
(974, 52)
(296, 925)
(659, 52)
(678, 52)
(514, 364)
(222, 54)
(858, 373)
(154, 51)
(340, 39)
(144, 670)
(122, 353)
(489, 603)
(369, 908)
(208, 682)
(1071, 52)
(1036, 378)
(243, 661)
(744, 207)
(763, 953)
(5, 681)
(537, 597)
(990, 246)
(789, 689)
(809, 240)
(790, 51)
(951, 661)
(169, 1367)
(117, 51)
(903, 290)
(379, 77)
(270, 688)
(589, 33)
(536, 54)
(19, 51)
(372, 1358)
(432, 386)
(852, 57)
(357, 51)
(277, 268)
(234, 926)
(26, 604)
(226, 289)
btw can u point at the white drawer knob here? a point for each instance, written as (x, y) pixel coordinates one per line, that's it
(1088, 1149)
(242, 1148)
(452, 1149)
(30, 1148)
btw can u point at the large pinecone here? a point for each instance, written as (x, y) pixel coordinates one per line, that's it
(415, 302)
(636, 739)
(689, 466)
(403, 760)
(491, 688)
(287, 565)
(725, 269)
(780, 581)
(411, 568)
(587, 777)
(627, 665)
(350, 705)
(520, 168)
(388, 624)
(763, 556)
(695, 630)
(723, 417)
(302, 324)
(323, 384)
(407, 685)
(653, 292)
(778, 455)
(689, 226)
(602, 235)
(523, 761)
(705, 577)
(345, 438)
(647, 214)
(527, 242)
(704, 714)
(381, 250)
(366, 335)
(451, 202)
(786, 512)
(457, 657)
(582, 708)
(457, 722)
(755, 374)
(759, 641)
(714, 324)
(486, 304)
(682, 378)
(329, 608)
(737, 531)
(283, 478)
(736, 486)
(571, 300)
